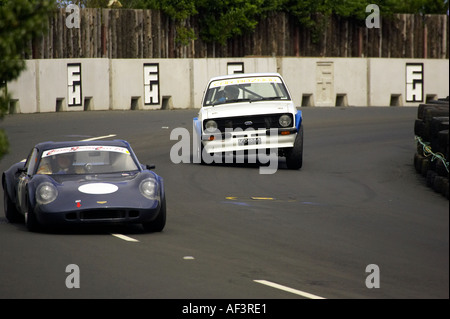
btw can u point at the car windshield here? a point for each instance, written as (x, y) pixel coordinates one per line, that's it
(86, 160)
(246, 89)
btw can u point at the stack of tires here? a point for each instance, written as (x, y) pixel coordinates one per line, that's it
(432, 155)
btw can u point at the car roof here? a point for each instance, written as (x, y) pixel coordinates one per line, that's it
(51, 145)
(243, 75)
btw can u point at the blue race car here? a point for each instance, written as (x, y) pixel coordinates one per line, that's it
(82, 182)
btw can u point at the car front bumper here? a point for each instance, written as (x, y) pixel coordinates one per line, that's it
(98, 215)
(236, 141)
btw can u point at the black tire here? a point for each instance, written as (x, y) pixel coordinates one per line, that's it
(442, 140)
(418, 162)
(438, 184)
(294, 157)
(31, 222)
(440, 169)
(445, 191)
(425, 166)
(159, 223)
(419, 127)
(431, 175)
(11, 213)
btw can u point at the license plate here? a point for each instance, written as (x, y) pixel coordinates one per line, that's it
(249, 141)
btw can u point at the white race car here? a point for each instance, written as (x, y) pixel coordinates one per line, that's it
(248, 115)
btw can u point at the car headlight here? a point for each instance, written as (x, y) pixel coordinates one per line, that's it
(285, 120)
(149, 188)
(46, 193)
(211, 125)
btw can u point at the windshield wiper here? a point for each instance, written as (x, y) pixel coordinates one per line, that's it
(217, 103)
(237, 100)
(270, 98)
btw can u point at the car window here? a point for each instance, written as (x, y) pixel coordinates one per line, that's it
(87, 160)
(250, 89)
(31, 162)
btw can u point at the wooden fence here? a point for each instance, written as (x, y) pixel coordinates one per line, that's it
(125, 33)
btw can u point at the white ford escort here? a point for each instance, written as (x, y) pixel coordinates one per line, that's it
(248, 115)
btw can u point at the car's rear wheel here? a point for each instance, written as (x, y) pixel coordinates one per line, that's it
(11, 213)
(159, 223)
(294, 156)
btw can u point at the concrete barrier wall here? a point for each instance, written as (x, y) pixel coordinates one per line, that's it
(53, 85)
(388, 80)
(319, 81)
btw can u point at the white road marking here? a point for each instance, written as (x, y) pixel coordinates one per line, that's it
(99, 137)
(125, 237)
(291, 290)
(188, 258)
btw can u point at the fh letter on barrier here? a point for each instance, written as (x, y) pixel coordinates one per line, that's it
(74, 84)
(414, 82)
(151, 83)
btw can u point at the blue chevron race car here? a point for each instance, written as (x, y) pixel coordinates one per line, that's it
(82, 182)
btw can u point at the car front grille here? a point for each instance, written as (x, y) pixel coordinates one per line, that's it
(102, 214)
(255, 122)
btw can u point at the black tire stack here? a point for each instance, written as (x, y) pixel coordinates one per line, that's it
(432, 135)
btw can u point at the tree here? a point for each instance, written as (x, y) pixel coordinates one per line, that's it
(227, 18)
(179, 11)
(418, 6)
(218, 20)
(20, 22)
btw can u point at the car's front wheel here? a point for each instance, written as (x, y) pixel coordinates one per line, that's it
(294, 156)
(159, 223)
(31, 221)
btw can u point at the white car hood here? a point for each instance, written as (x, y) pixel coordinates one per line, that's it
(246, 108)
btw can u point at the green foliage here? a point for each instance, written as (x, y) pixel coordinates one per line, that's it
(179, 11)
(227, 18)
(4, 143)
(20, 21)
(418, 6)
(220, 20)
(185, 35)
(176, 9)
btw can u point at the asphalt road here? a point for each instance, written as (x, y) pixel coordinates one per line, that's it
(233, 233)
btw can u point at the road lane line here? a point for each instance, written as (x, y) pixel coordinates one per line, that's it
(99, 137)
(291, 290)
(123, 237)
